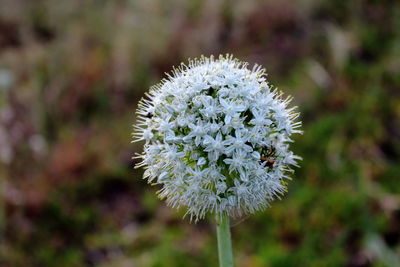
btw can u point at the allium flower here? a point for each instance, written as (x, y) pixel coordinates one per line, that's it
(217, 138)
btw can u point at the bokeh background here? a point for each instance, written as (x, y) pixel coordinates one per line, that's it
(71, 73)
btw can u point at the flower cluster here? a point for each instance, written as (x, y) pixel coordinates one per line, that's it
(216, 138)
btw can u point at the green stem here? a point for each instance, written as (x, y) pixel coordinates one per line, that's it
(224, 242)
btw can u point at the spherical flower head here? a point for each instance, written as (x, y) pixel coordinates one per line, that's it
(217, 138)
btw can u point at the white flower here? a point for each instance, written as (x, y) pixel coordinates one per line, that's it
(197, 131)
(239, 142)
(214, 147)
(201, 161)
(239, 163)
(231, 109)
(217, 138)
(210, 109)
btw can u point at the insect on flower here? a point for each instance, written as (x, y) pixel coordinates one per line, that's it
(267, 156)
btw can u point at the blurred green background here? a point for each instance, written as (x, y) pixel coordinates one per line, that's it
(71, 73)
